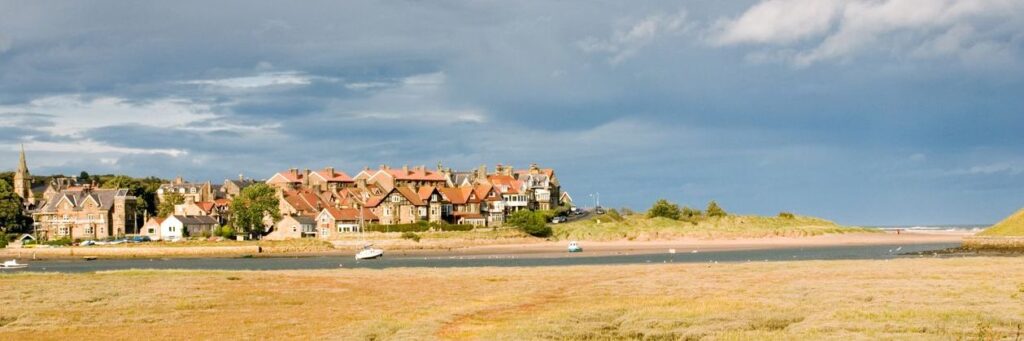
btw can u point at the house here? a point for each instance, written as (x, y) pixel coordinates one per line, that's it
(400, 205)
(511, 192)
(333, 222)
(465, 205)
(232, 188)
(86, 213)
(492, 204)
(197, 192)
(541, 187)
(195, 208)
(566, 199)
(152, 228)
(293, 227)
(329, 179)
(301, 201)
(434, 208)
(290, 179)
(177, 227)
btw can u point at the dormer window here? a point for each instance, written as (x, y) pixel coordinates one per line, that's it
(192, 190)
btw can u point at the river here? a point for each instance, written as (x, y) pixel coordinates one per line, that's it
(347, 262)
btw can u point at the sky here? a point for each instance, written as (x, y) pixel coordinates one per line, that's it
(869, 112)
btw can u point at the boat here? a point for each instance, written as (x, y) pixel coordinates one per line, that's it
(369, 252)
(12, 265)
(575, 247)
(89, 258)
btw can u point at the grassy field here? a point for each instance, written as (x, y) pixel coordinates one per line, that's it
(1012, 226)
(911, 299)
(639, 227)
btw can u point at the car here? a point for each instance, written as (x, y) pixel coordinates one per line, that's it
(140, 239)
(557, 220)
(599, 210)
(87, 243)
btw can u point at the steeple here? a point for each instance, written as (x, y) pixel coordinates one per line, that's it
(23, 180)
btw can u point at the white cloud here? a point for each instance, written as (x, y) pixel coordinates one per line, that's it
(831, 30)
(73, 114)
(778, 22)
(267, 79)
(624, 43)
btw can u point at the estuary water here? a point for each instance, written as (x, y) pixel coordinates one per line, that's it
(348, 262)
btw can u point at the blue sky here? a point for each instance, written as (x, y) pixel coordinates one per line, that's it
(861, 111)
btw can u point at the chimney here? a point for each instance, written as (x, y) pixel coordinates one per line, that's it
(178, 180)
(405, 168)
(483, 171)
(329, 170)
(361, 183)
(294, 171)
(383, 166)
(305, 176)
(366, 168)
(241, 177)
(440, 167)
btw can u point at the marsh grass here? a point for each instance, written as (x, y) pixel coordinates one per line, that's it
(639, 227)
(910, 299)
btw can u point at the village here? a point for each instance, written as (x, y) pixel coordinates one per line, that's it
(327, 203)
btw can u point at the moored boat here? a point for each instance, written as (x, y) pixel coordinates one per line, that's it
(12, 265)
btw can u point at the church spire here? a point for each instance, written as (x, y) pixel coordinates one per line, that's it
(22, 165)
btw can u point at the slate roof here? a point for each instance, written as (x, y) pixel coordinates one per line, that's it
(77, 197)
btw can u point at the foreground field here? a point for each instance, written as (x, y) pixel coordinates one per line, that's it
(639, 227)
(975, 298)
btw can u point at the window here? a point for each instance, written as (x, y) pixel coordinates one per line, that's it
(192, 190)
(151, 231)
(63, 230)
(395, 198)
(88, 230)
(295, 229)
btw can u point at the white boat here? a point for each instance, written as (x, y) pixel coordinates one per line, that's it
(575, 247)
(368, 252)
(12, 264)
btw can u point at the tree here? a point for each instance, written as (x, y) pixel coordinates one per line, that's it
(714, 210)
(142, 189)
(663, 208)
(83, 177)
(532, 223)
(12, 210)
(252, 205)
(166, 206)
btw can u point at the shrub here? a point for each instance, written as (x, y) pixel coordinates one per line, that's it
(613, 215)
(226, 232)
(786, 215)
(443, 226)
(664, 208)
(714, 210)
(3, 243)
(411, 235)
(532, 223)
(626, 211)
(419, 226)
(59, 242)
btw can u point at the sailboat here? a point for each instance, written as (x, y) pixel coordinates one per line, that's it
(368, 251)
(12, 265)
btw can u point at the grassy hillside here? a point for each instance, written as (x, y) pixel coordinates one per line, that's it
(1011, 226)
(639, 227)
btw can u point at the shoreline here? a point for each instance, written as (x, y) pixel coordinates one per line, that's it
(518, 248)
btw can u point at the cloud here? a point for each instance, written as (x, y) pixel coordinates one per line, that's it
(268, 79)
(5, 43)
(822, 30)
(624, 43)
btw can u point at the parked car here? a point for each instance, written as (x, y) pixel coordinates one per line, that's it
(87, 243)
(599, 210)
(558, 219)
(140, 239)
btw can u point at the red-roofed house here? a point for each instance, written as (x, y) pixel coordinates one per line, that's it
(329, 179)
(415, 177)
(333, 222)
(398, 206)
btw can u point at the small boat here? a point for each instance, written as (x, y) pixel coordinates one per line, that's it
(368, 252)
(575, 247)
(12, 265)
(89, 258)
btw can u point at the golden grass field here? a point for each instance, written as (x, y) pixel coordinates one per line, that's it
(910, 299)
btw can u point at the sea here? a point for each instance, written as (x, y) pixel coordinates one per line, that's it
(949, 227)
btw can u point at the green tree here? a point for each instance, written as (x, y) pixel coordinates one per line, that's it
(12, 211)
(714, 210)
(663, 208)
(166, 206)
(532, 223)
(83, 177)
(252, 205)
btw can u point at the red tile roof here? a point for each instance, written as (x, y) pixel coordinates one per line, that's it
(334, 176)
(425, 192)
(415, 174)
(206, 206)
(350, 214)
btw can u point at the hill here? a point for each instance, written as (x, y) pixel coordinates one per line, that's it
(639, 227)
(1011, 226)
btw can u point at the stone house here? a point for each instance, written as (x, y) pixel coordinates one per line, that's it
(334, 222)
(293, 227)
(86, 213)
(152, 228)
(197, 192)
(398, 206)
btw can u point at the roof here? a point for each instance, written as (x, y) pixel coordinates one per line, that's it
(196, 219)
(304, 200)
(459, 195)
(415, 174)
(303, 219)
(331, 175)
(206, 206)
(157, 220)
(410, 194)
(425, 192)
(349, 214)
(468, 215)
(505, 184)
(77, 197)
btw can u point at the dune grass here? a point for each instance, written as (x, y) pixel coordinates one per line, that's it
(1012, 226)
(639, 227)
(910, 299)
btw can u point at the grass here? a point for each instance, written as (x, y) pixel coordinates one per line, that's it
(911, 299)
(639, 227)
(1012, 226)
